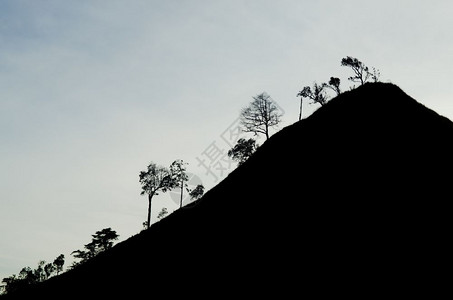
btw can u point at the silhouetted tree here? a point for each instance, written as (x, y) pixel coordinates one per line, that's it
(178, 176)
(242, 150)
(11, 284)
(49, 269)
(376, 75)
(361, 71)
(197, 192)
(38, 274)
(334, 84)
(102, 240)
(162, 213)
(301, 102)
(59, 263)
(82, 255)
(317, 94)
(154, 179)
(29, 276)
(145, 225)
(14, 283)
(261, 114)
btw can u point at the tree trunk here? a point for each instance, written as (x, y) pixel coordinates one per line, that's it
(150, 196)
(300, 110)
(182, 189)
(267, 131)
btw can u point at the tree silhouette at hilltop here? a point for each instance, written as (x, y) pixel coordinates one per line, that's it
(317, 93)
(361, 71)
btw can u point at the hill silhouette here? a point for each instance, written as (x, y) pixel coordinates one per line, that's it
(352, 200)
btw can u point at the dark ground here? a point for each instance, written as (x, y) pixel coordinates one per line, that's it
(350, 201)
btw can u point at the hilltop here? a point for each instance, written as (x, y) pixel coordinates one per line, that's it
(352, 199)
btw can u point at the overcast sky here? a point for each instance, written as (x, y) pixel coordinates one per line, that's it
(92, 91)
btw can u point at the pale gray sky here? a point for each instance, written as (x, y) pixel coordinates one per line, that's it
(92, 91)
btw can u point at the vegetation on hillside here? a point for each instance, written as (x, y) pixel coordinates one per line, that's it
(102, 240)
(259, 117)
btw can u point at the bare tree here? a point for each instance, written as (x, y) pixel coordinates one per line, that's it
(261, 114)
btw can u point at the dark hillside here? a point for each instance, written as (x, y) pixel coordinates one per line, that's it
(351, 200)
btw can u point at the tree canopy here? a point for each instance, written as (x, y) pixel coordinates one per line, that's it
(197, 192)
(154, 179)
(28, 276)
(102, 240)
(362, 73)
(179, 176)
(243, 150)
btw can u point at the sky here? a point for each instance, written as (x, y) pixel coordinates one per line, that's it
(93, 91)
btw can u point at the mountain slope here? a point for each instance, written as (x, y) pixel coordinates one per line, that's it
(352, 199)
